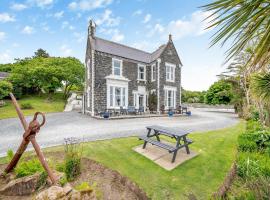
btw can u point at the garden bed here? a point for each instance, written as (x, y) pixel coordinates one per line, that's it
(107, 183)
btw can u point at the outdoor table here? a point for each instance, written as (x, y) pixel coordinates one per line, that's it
(179, 135)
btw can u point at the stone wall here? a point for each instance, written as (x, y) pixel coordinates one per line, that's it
(169, 55)
(103, 68)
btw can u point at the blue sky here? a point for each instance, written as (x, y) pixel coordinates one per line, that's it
(60, 27)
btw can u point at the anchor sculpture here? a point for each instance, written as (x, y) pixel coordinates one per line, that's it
(29, 136)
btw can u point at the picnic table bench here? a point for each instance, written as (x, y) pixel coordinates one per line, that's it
(179, 135)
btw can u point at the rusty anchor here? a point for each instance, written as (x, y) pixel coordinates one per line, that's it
(29, 136)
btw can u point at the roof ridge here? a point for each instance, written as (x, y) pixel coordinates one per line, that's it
(125, 45)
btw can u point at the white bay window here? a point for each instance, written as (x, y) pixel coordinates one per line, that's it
(117, 97)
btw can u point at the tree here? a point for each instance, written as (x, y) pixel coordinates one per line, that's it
(260, 85)
(5, 89)
(193, 96)
(152, 100)
(41, 53)
(40, 74)
(219, 93)
(242, 22)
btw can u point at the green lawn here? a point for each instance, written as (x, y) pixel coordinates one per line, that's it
(39, 103)
(200, 176)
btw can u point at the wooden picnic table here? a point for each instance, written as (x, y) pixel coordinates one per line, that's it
(179, 135)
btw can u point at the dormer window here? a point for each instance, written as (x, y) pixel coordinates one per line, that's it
(141, 73)
(170, 72)
(117, 67)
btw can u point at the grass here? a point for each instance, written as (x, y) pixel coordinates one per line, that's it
(200, 176)
(39, 103)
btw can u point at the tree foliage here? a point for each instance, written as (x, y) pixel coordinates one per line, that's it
(219, 93)
(41, 53)
(5, 89)
(261, 85)
(192, 96)
(40, 74)
(242, 22)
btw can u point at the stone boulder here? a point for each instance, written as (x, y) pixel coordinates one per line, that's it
(65, 193)
(21, 186)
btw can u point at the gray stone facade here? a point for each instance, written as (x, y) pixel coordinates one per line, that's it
(99, 71)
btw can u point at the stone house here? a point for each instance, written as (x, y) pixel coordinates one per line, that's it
(120, 76)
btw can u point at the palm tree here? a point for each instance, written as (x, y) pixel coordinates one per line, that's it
(260, 84)
(242, 22)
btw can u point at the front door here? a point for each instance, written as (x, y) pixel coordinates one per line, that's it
(141, 100)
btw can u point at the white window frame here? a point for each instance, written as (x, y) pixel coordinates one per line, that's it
(114, 106)
(138, 76)
(88, 97)
(121, 66)
(153, 77)
(171, 72)
(173, 90)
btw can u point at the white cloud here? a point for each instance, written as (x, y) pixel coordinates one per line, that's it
(87, 5)
(59, 15)
(143, 45)
(180, 28)
(79, 37)
(137, 12)
(65, 50)
(147, 18)
(5, 57)
(2, 36)
(18, 6)
(117, 36)
(28, 30)
(66, 24)
(5, 17)
(41, 3)
(108, 19)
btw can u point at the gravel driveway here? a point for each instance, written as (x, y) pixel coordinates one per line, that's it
(71, 124)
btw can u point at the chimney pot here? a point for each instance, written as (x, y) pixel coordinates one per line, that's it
(170, 37)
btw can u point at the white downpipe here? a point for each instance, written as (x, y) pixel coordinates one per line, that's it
(158, 85)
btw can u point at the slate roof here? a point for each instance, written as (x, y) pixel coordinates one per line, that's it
(121, 50)
(3, 75)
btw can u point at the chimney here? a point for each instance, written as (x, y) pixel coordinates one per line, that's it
(170, 37)
(92, 28)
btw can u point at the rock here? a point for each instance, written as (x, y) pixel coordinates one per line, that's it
(67, 188)
(21, 186)
(58, 175)
(52, 193)
(81, 195)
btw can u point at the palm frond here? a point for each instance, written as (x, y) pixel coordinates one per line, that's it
(241, 22)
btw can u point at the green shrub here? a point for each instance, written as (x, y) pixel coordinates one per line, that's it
(73, 153)
(30, 167)
(60, 167)
(5, 89)
(26, 106)
(245, 143)
(63, 180)
(251, 165)
(253, 126)
(84, 187)
(42, 179)
(10, 155)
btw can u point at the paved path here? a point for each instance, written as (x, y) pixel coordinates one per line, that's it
(71, 124)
